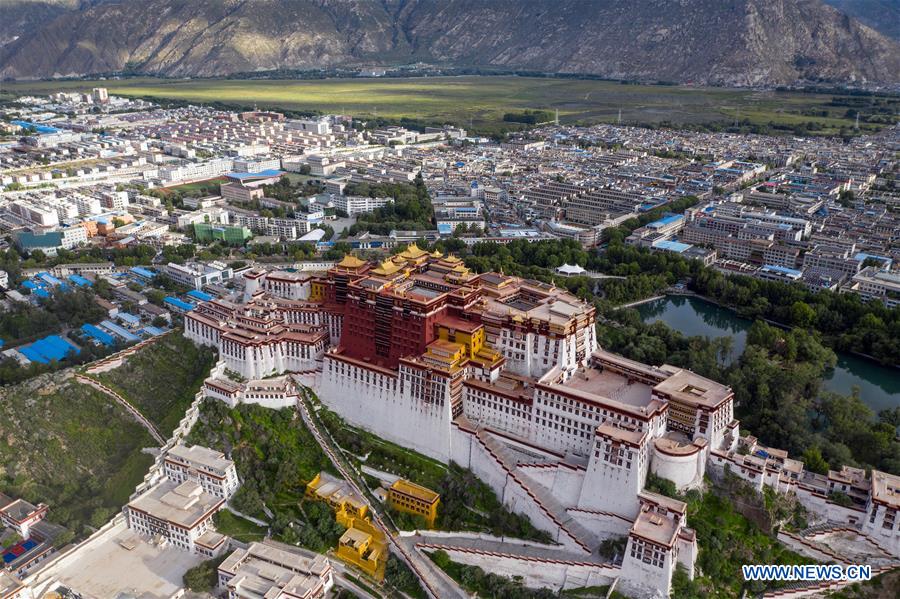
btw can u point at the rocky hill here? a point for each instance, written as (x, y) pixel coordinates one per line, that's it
(729, 42)
(881, 15)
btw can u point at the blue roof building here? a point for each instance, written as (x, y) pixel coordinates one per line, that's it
(130, 320)
(52, 347)
(666, 220)
(95, 333)
(199, 295)
(178, 305)
(80, 281)
(118, 331)
(143, 272)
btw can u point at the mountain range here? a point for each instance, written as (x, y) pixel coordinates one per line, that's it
(721, 42)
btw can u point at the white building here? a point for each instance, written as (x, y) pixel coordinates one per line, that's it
(209, 468)
(873, 283)
(197, 275)
(264, 337)
(275, 571)
(353, 205)
(20, 515)
(180, 514)
(196, 171)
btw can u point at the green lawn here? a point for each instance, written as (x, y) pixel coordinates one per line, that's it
(198, 188)
(71, 447)
(481, 101)
(239, 528)
(161, 379)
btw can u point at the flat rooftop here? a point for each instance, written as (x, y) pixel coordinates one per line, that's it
(265, 566)
(687, 387)
(411, 489)
(610, 385)
(8, 584)
(124, 562)
(183, 504)
(656, 528)
(209, 458)
(886, 488)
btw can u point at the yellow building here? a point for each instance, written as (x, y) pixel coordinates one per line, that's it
(338, 494)
(362, 544)
(411, 498)
(365, 547)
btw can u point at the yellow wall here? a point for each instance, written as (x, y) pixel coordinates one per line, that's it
(473, 342)
(419, 508)
(317, 291)
(372, 557)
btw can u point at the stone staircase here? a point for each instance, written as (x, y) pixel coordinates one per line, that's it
(541, 496)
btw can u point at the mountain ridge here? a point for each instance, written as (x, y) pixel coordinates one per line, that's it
(720, 42)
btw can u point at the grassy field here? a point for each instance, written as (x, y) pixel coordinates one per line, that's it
(161, 379)
(480, 101)
(238, 528)
(71, 447)
(198, 188)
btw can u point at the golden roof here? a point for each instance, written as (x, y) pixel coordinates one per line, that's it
(388, 267)
(412, 252)
(351, 261)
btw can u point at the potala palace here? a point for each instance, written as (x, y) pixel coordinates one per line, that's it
(504, 376)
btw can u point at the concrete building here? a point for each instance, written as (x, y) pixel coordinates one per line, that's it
(354, 205)
(209, 468)
(180, 514)
(20, 515)
(198, 275)
(874, 283)
(275, 571)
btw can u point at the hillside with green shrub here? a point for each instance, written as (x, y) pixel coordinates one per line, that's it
(72, 447)
(161, 379)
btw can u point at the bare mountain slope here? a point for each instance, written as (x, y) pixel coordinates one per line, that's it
(881, 15)
(735, 42)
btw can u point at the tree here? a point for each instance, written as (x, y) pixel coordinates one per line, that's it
(813, 460)
(204, 577)
(802, 315)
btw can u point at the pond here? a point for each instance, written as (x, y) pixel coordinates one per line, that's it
(879, 385)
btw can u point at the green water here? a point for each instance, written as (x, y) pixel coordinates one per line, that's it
(879, 386)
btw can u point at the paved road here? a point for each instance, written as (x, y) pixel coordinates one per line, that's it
(433, 580)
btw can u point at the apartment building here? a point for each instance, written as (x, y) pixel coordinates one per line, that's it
(197, 275)
(874, 283)
(354, 205)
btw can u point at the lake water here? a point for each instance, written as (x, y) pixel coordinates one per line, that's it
(879, 386)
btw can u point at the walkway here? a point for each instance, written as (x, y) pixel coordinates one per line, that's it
(512, 548)
(81, 378)
(639, 302)
(600, 276)
(433, 580)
